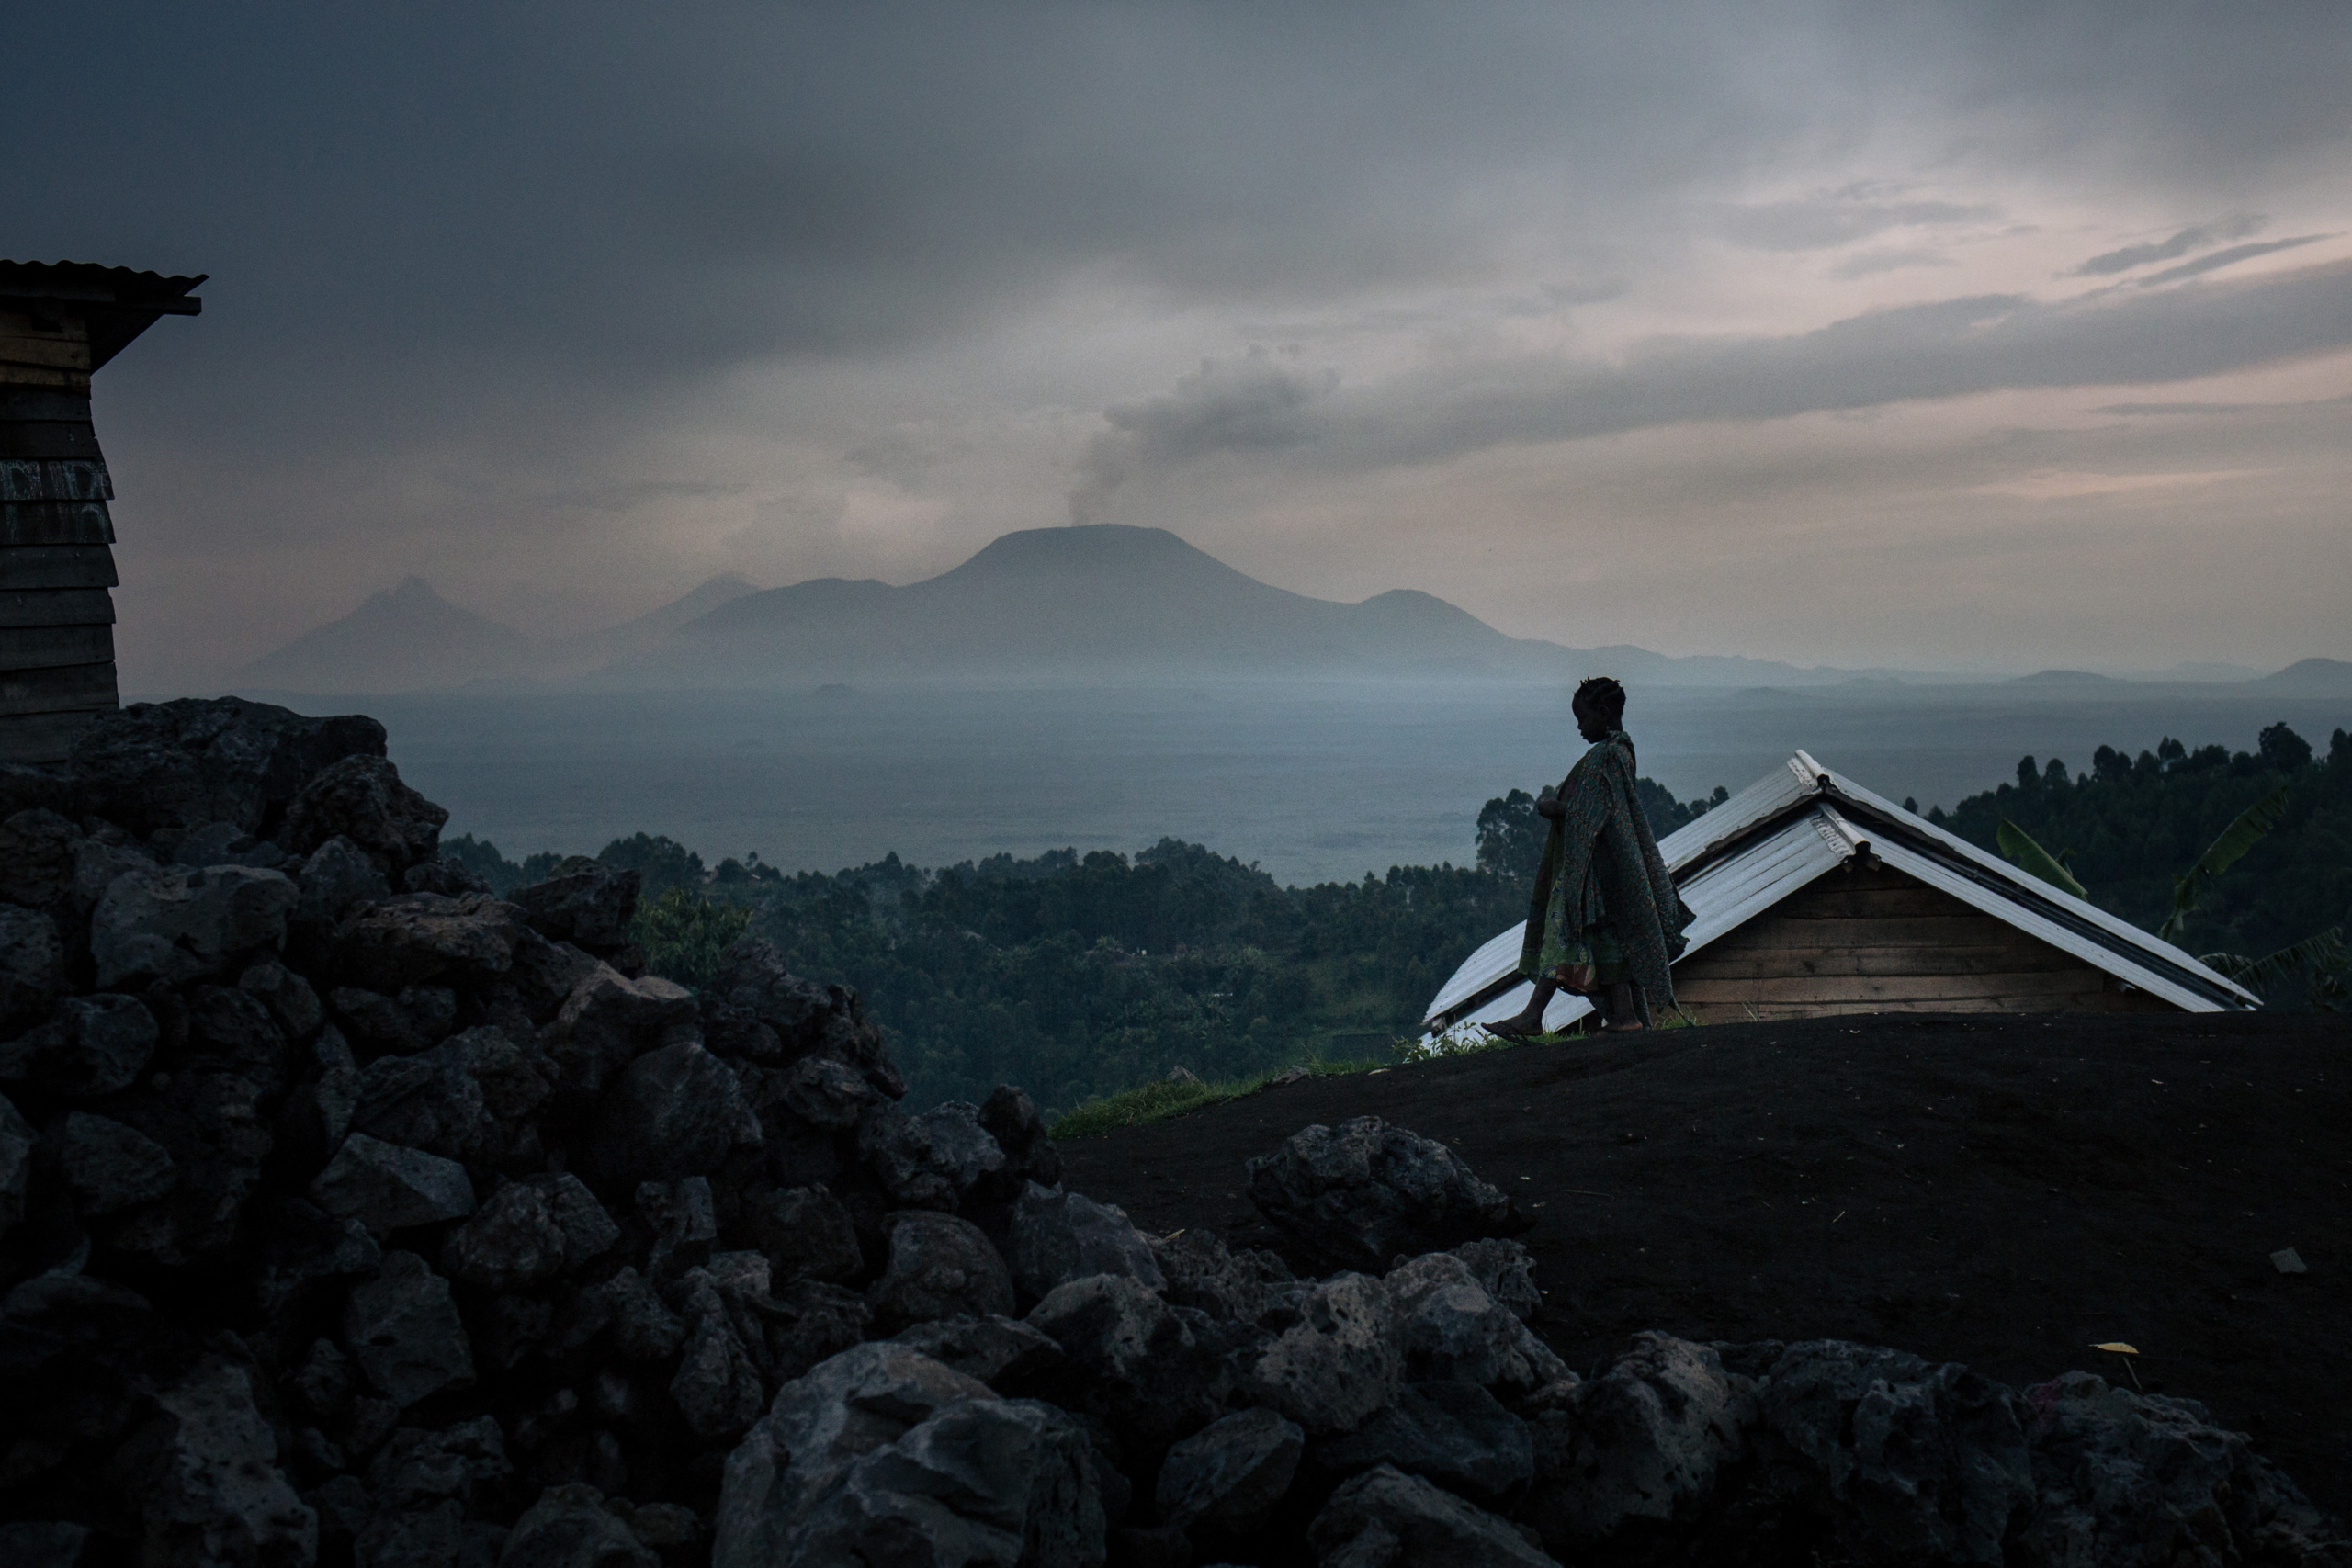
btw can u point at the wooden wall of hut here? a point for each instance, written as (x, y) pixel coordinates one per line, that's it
(58, 324)
(1876, 941)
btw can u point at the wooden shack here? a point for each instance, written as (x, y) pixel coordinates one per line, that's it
(60, 323)
(1812, 895)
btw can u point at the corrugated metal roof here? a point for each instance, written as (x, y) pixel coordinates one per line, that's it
(1801, 821)
(89, 280)
(116, 303)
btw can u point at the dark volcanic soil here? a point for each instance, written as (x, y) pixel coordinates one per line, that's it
(1999, 1191)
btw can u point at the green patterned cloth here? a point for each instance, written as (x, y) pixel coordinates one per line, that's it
(1603, 895)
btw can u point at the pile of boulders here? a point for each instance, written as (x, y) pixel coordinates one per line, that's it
(349, 1213)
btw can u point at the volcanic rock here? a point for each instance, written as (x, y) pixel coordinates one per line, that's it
(288, 995)
(417, 1467)
(1505, 1271)
(1384, 1516)
(388, 1188)
(1229, 1475)
(1648, 1442)
(1058, 1236)
(211, 1491)
(423, 938)
(91, 1047)
(826, 1094)
(337, 877)
(717, 1387)
(1455, 1434)
(1446, 1325)
(362, 799)
(37, 850)
(175, 923)
(1338, 1366)
(940, 1267)
(182, 764)
(404, 1332)
(2136, 1478)
(1361, 1194)
(1002, 1352)
(1926, 1462)
(517, 1239)
(585, 902)
(1131, 1359)
(822, 1425)
(109, 1167)
(43, 1543)
(32, 966)
(806, 1019)
(606, 1018)
(570, 1526)
(980, 1481)
(16, 1145)
(806, 1232)
(672, 1113)
(1012, 1119)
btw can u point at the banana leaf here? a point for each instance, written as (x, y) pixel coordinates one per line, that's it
(2317, 956)
(2236, 839)
(2035, 861)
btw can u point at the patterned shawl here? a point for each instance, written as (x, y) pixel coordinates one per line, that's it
(1601, 862)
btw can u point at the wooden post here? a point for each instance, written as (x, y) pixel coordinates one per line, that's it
(58, 324)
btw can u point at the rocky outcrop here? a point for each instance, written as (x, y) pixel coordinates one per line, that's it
(1363, 1193)
(351, 1215)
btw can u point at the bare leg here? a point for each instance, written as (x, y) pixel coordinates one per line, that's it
(1529, 1020)
(1623, 1016)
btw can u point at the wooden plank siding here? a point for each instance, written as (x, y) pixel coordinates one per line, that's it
(34, 567)
(56, 616)
(1877, 940)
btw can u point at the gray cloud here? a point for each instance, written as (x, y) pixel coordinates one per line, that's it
(2188, 408)
(1869, 263)
(602, 250)
(1257, 402)
(2195, 237)
(2230, 258)
(1949, 348)
(1841, 218)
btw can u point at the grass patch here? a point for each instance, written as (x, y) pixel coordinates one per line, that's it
(1162, 1100)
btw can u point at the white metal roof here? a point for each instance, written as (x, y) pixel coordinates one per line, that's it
(1801, 821)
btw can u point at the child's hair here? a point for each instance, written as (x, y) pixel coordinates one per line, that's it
(1605, 696)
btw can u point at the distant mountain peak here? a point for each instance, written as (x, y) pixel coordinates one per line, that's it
(409, 589)
(1085, 546)
(2309, 677)
(406, 637)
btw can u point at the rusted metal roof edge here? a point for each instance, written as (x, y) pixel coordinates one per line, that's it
(1771, 825)
(2094, 925)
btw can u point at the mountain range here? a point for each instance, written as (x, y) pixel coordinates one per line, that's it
(1099, 603)
(409, 638)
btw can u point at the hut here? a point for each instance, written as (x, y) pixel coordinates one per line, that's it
(1811, 896)
(59, 323)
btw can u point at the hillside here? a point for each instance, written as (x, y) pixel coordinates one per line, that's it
(1117, 602)
(2309, 678)
(1091, 601)
(1103, 604)
(2002, 1192)
(2129, 824)
(406, 638)
(410, 639)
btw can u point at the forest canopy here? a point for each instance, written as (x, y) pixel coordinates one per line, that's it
(1081, 976)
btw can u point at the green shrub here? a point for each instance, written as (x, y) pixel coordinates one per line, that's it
(1164, 1099)
(683, 932)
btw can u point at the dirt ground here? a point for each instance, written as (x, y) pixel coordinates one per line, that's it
(2001, 1191)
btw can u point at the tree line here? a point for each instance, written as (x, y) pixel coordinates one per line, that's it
(1081, 975)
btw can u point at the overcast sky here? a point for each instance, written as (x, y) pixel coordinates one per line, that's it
(2000, 336)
